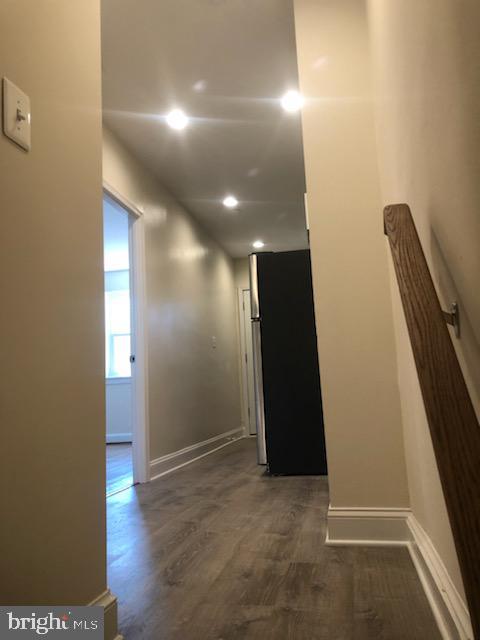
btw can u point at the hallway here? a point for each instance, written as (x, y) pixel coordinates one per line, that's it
(119, 466)
(218, 551)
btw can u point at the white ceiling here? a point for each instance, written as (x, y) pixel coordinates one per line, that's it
(225, 63)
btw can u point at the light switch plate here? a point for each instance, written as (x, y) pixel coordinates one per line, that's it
(16, 114)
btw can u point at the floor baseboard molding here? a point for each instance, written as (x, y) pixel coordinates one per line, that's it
(117, 438)
(368, 527)
(399, 527)
(173, 461)
(109, 603)
(447, 605)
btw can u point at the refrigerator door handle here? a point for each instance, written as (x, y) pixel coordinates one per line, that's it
(259, 400)
(254, 301)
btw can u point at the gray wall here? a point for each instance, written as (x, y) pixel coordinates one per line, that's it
(426, 62)
(242, 273)
(353, 310)
(193, 388)
(118, 396)
(52, 409)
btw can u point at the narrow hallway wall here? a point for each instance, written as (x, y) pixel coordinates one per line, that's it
(52, 408)
(194, 387)
(426, 62)
(349, 260)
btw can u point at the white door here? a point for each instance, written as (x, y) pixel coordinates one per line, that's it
(132, 343)
(248, 360)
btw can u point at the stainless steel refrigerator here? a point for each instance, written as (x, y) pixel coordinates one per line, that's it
(290, 434)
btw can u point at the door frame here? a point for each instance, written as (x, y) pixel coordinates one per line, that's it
(139, 378)
(243, 364)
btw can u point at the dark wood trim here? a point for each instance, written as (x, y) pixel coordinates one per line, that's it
(452, 420)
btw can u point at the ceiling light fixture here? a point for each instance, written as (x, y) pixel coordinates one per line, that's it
(292, 101)
(199, 86)
(258, 244)
(230, 202)
(177, 119)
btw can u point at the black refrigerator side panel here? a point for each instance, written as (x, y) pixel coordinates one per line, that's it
(291, 380)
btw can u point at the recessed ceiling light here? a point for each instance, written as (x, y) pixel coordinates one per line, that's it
(177, 119)
(200, 86)
(258, 244)
(292, 101)
(230, 202)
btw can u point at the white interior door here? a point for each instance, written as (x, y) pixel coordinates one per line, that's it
(133, 368)
(248, 358)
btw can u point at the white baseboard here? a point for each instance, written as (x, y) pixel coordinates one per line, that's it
(115, 438)
(447, 605)
(177, 459)
(109, 603)
(354, 526)
(389, 527)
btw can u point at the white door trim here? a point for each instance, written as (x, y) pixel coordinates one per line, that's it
(140, 422)
(243, 328)
(243, 368)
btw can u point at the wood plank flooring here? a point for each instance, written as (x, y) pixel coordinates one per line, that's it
(119, 467)
(219, 551)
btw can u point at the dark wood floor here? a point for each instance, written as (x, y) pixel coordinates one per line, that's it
(218, 551)
(119, 467)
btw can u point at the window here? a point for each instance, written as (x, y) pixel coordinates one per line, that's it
(117, 332)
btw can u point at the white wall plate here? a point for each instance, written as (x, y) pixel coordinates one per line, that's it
(16, 114)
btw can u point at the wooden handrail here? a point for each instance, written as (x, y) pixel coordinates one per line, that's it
(452, 421)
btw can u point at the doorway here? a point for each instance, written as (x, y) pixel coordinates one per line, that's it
(246, 352)
(127, 454)
(118, 346)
